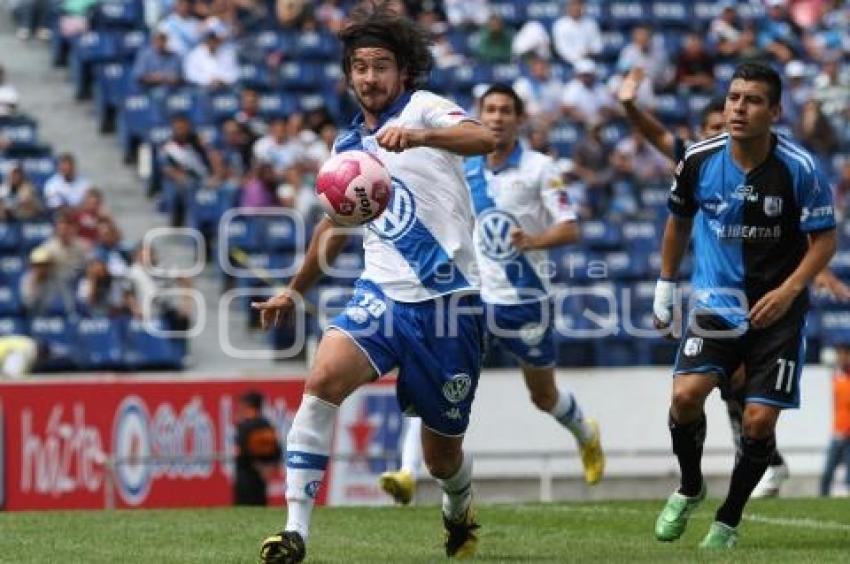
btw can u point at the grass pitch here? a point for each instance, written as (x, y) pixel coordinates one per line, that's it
(774, 531)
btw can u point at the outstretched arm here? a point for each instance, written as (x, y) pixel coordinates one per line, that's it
(465, 138)
(654, 131)
(324, 247)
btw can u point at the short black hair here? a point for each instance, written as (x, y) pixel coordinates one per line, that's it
(716, 104)
(760, 72)
(502, 88)
(252, 398)
(376, 25)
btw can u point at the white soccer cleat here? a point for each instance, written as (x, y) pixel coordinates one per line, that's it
(771, 482)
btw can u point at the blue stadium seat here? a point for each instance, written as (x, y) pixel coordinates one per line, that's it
(99, 343)
(129, 43)
(254, 76)
(507, 73)
(835, 327)
(677, 13)
(546, 12)
(59, 333)
(706, 10)
(143, 350)
(220, 106)
(117, 14)
(840, 263)
(598, 234)
(613, 42)
(20, 132)
(281, 234)
(206, 206)
(513, 13)
(640, 236)
(612, 132)
(246, 233)
(34, 233)
(112, 83)
(10, 300)
(622, 265)
(87, 49)
(625, 14)
(10, 237)
(301, 76)
(12, 268)
(563, 136)
(346, 268)
(459, 41)
(671, 108)
(12, 326)
(316, 46)
(136, 116)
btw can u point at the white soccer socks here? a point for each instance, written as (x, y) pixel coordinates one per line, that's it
(411, 447)
(457, 491)
(568, 413)
(308, 447)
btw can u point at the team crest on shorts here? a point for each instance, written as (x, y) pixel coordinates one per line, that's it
(693, 346)
(532, 333)
(457, 388)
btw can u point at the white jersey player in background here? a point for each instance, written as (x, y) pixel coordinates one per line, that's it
(522, 210)
(419, 280)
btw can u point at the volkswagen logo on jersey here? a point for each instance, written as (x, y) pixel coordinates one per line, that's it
(131, 448)
(494, 235)
(772, 206)
(399, 216)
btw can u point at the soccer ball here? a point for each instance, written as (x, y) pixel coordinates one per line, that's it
(353, 187)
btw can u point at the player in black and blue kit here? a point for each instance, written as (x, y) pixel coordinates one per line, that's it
(763, 226)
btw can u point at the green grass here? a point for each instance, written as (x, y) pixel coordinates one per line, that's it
(774, 531)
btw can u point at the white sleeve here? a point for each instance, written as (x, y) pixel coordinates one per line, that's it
(561, 40)
(438, 112)
(192, 69)
(594, 46)
(52, 194)
(229, 68)
(553, 193)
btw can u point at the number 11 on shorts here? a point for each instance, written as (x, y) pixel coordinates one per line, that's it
(785, 374)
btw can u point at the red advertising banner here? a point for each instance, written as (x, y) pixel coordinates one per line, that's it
(145, 442)
(129, 442)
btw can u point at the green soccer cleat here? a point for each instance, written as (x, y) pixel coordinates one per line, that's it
(720, 536)
(461, 539)
(399, 485)
(673, 519)
(286, 547)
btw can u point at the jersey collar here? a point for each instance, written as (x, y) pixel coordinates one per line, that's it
(359, 121)
(513, 159)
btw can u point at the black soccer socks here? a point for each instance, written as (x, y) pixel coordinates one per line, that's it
(687, 445)
(754, 459)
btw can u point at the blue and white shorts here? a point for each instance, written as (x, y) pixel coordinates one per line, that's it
(525, 330)
(437, 351)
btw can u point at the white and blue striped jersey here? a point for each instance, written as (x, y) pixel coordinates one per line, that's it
(421, 246)
(527, 192)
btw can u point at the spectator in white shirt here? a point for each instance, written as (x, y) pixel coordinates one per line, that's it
(648, 53)
(540, 91)
(66, 188)
(585, 98)
(725, 30)
(276, 149)
(532, 38)
(576, 35)
(212, 63)
(182, 28)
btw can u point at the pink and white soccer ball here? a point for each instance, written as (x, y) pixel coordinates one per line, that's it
(353, 187)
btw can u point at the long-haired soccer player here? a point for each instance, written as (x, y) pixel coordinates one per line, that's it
(763, 226)
(419, 279)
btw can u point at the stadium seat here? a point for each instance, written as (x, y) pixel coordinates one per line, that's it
(835, 327)
(10, 301)
(10, 237)
(613, 42)
(281, 234)
(19, 132)
(626, 14)
(12, 326)
(600, 235)
(112, 83)
(12, 268)
(513, 13)
(706, 10)
(671, 108)
(99, 344)
(136, 116)
(145, 351)
(506, 73)
(301, 77)
(59, 333)
(668, 14)
(544, 12)
(219, 106)
(315, 46)
(86, 49)
(640, 236)
(840, 263)
(345, 269)
(34, 233)
(245, 233)
(117, 14)
(254, 76)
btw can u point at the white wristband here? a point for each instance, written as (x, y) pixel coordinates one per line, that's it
(662, 305)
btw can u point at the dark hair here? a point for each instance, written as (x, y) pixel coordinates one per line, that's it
(66, 157)
(375, 25)
(716, 104)
(760, 72)
(502, 88)
(252, 398)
